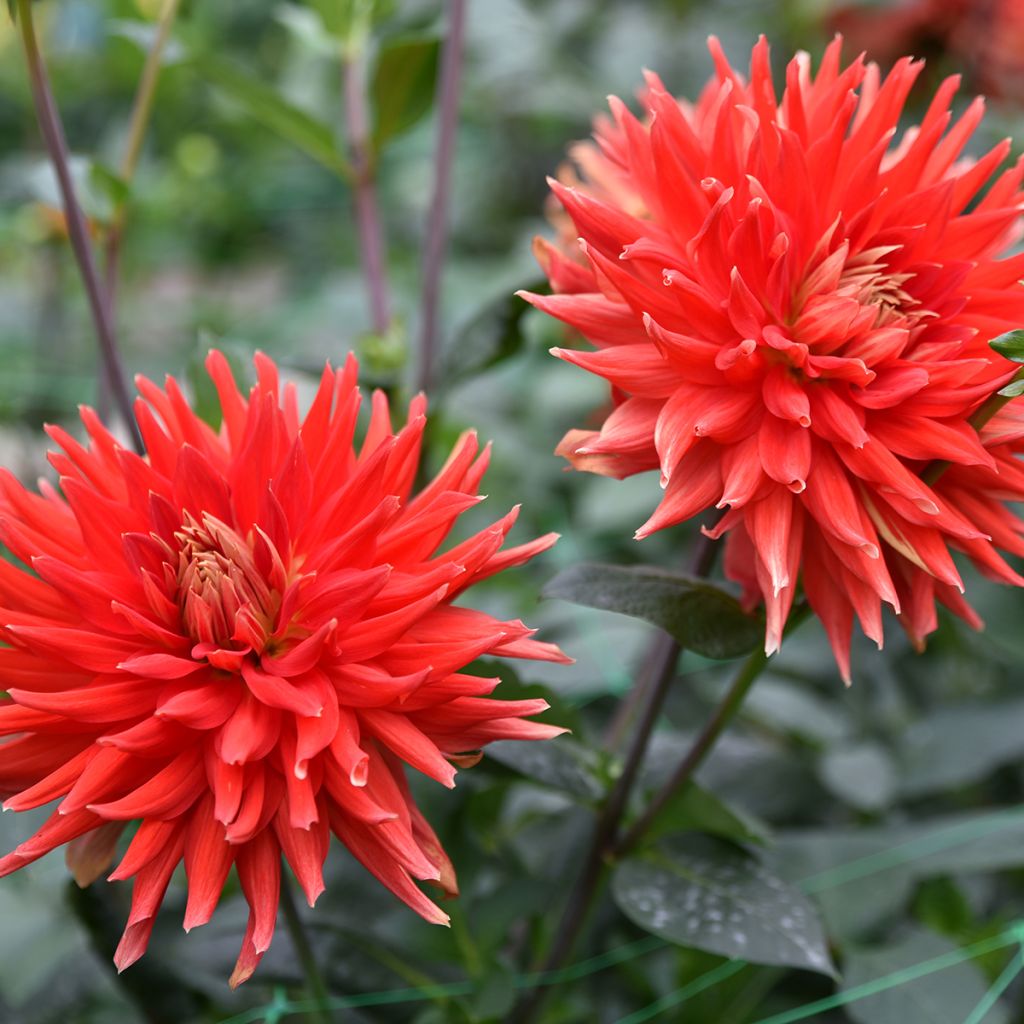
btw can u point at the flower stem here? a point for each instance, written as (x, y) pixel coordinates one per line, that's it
(53, 135)
(371, 234)
(713, 728)
(747, 675)
(300, 940)
(589, 881)
(437, 223)
(141, 110)
(654, 689)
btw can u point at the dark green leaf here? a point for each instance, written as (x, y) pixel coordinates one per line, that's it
(861, 774)
(714, 897)
(703, 618)
(941, 904)
(265, 105)
(943, 997)
(402, 87)
(694, 809)
(493, 335)
(959, 745)
(561, 762)
(1010, 345)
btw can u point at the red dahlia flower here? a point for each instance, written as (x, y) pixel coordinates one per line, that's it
(240, 641)
(793, 311)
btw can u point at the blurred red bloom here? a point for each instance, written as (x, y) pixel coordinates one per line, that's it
(241, 640)
(793, 311)
(985, 36)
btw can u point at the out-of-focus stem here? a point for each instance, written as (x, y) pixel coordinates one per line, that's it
(437, 220)
(372, 249)
(588, 882)
(304, 951)
(53, 135)
(141, 110)
(747, 675)
(684, 772)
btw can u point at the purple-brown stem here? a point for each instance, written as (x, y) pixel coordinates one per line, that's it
(53, 135)
(142, 107)
(437, 221)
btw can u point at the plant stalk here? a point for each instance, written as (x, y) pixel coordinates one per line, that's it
(142, 108)
(372, 250)
(53, 135)
(726, 711)
(315, 985)
(713, 728)
(437, 222)
(588, 883)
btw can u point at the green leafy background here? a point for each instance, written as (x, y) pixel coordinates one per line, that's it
(834, 838)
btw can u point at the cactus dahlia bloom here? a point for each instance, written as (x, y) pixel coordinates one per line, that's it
(792, 302)
(240, 641)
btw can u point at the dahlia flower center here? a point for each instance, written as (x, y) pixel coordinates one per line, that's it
(875, 284)
(224, 599)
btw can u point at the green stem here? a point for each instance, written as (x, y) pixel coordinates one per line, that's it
(588, 882)
(748, 674)
(142, 108)
(315, 985)
(724, 714)
(53, 135)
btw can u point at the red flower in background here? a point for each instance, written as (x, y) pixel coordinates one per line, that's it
(241, 640)
(986, 36)
(793, 307)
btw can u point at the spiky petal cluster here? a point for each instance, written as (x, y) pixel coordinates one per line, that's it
(240, 641)
(792, 306)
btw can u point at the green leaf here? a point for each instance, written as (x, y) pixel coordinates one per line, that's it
(798, 711)
(561, 762)
(1015, 388)
(944, 997)
(307, 27)
(959, 745)
(402, 86)
(694, 809)
(493, 335)
(1010, 345)
(703, 618)
(861, 774)
(941, 904)
(264, 105)
(344, 19)
(714, 897)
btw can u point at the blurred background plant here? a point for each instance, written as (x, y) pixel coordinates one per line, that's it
(895, 805)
